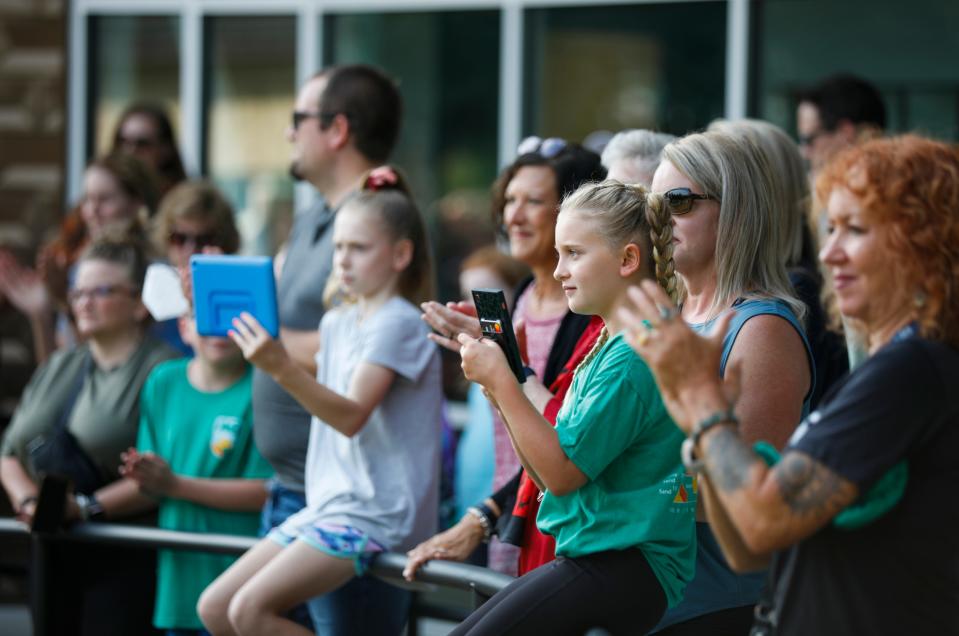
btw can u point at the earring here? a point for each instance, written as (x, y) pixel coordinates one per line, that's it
(919, 299)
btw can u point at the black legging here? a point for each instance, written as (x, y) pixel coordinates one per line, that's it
(615, 590)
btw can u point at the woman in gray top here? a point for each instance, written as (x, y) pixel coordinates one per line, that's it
(93, 390)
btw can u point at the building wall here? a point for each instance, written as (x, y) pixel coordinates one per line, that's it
(32, 158)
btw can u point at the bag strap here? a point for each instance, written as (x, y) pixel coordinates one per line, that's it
(85, 368)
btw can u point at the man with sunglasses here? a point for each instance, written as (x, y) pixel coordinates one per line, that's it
(345, 122)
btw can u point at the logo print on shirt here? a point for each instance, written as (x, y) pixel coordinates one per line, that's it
(224, 434)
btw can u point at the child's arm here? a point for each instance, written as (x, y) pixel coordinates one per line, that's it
(153, 475)
(532, 434)
(347, 414)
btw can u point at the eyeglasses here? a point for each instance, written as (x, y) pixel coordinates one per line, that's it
(199, 241)
(680, 201)
(100, 291)
(137, 143)
(325, 118)
(545, 148)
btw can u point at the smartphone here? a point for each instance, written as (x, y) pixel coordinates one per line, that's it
(51, 503)
(496, 325)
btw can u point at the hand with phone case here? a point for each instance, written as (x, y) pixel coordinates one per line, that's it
(496, 325)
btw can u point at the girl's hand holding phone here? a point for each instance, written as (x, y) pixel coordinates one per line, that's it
(484, 362)
(257, 345)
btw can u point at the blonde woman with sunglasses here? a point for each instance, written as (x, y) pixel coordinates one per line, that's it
(725, 251)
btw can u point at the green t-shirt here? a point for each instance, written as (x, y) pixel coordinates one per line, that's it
(614, 427)
(206, 435)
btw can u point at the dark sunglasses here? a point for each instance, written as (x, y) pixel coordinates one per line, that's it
(138, 143)
(680, 200)
(545, 148)
(325, 118)
(199, 241)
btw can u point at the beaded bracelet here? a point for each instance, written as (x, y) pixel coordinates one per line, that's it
(687, 451)
(483, 521)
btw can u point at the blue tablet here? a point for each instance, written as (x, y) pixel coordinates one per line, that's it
(225, 286)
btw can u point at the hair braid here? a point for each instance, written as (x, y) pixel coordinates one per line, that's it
(600, 342)
(661, 235)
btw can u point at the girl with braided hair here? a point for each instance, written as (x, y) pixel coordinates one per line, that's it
(616, 498)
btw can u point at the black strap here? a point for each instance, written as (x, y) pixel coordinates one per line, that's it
(67, 409)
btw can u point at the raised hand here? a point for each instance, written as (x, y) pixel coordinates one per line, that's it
(686, 365)
(23, 287)
(258, 345)
(450, 320)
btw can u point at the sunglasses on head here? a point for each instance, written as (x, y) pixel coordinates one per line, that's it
(199, 241)
(545, 148)
(680, 200)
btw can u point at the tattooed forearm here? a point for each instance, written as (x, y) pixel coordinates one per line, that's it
(728, 459)
(807, 486)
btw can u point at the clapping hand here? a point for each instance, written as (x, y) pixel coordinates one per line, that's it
(450, 320)
(151, 472)
(686, 365)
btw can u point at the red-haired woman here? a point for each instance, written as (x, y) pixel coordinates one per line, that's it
(856, 514)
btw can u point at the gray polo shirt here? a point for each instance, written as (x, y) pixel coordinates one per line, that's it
(281, 427)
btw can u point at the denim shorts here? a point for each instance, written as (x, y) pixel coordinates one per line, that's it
(344, 542)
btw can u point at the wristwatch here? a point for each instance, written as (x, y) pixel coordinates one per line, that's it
(90, 507)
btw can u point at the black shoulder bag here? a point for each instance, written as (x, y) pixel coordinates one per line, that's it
(58, 452)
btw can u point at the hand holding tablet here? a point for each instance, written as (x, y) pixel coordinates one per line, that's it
(226, 286)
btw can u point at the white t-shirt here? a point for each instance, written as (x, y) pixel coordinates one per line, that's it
(385, 479)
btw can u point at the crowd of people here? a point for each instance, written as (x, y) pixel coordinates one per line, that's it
(735, 416)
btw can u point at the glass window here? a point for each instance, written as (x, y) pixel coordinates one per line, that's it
(658, 66)
(249, 88)
(133, 58)
(447, 66)
(803, 42)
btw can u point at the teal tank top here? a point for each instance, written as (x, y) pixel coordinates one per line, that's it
(715, 586)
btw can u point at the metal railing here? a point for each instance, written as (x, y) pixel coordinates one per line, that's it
(480, 583)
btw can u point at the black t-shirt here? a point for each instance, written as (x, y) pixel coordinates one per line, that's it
(899, 574)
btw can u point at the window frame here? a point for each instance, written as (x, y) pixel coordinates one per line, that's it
(309, 15)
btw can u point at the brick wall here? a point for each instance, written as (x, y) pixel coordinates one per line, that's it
(32, 158)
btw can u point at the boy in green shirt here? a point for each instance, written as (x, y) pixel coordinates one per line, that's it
(195, 452)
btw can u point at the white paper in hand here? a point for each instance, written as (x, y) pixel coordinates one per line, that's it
(163, 294)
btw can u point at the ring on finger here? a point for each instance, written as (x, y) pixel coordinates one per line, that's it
(643, 337)
(649, 325)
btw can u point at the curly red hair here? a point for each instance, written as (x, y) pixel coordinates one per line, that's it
(912, 183)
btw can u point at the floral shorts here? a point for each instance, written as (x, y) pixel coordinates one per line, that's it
(345, 542)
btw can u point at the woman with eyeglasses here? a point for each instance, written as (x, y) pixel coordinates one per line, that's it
(726, 253)
(526, 199)
(77, 415)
